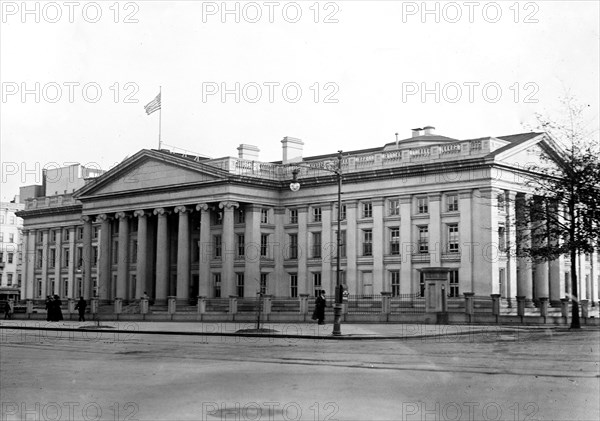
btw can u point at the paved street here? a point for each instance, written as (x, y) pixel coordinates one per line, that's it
(493, 373)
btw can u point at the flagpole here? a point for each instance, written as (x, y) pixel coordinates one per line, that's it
(160, 118)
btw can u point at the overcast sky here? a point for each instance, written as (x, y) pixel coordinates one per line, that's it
(339, 75)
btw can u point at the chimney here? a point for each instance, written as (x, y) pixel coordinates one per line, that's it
(292, 149)
(429, 130)
(416, 132)
(249, 152)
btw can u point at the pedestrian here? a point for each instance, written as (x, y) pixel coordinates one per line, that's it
(49, 308)
(80, 306)
(320, 304)
(145, 296)
(57, 315)
(8, 310)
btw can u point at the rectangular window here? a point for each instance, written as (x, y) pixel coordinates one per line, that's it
(9, 279)
(343, 213)
(1, 257)
(316, 244)
(66, 254)
(52, 236)
(454, 283)
(395, 240)
(264, 216)
(95, 255)
(65, 286)
(217, 285)
(293, 216)
(264, 245)
(40, 236)
(241, 245)
(367, 210)
(263, 283)
(51, 257)
(11, 238)
(39, 258)
(422, 205)
(293, 285)
(66, 234)
(293, 246)
(452, 238)
(423, 239)
(342, 244)
(239, 284)
(395, 282)
(367, 242)
(394, 207)
(115, 254)
(217, 245)
(96, 230)
(39, 287)
(501, 201)
(241, 216)
(134, 246)
(452, 203)
(10, 257)
(80, 233)
(317, 287)
(502, 238)
(316, 213)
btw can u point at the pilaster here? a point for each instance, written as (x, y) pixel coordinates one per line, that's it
(379, 283)
(407, 246)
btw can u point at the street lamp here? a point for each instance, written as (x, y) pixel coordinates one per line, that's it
(295, 186)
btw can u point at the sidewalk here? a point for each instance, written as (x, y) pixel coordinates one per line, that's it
(281, 330)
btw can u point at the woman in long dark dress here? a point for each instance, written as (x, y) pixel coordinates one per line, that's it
(49, 309)
(320, 304)
(57, 311)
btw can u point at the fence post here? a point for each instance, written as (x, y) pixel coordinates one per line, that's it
(385, 304)
(171, 306)
(233, 305)
(584, 308)
(94, 306)
(469, 304)
(118, 306)
(71, 307)
(201, 306)
(144, 307)
(304, 305)
(544, 307)
(496, 306)
(521, 306)
(267, 299)
(29, 308)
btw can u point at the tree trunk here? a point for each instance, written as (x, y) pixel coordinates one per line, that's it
(574, 291)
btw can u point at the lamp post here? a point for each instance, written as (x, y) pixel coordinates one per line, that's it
(295, 186)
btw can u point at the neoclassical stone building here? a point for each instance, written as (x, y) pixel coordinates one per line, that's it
(177, 225)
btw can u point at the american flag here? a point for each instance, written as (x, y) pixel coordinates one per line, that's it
(153, 105)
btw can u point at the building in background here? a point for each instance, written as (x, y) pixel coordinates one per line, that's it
(185, 226)
(10, 249)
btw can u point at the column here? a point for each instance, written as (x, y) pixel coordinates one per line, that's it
(524, 265)
(280, 281)
(436, 244)
(303, 251)
(162, 256)
(252, 258)
(407, 245)
(485, 242)
(328, 249)
(123, 263)
(205, 250)
(104, 268)
(351, 247)
(87, 256)
(465, 227)
(511, 244)
(45, 284)
(58, 264)
(379, 283)
(142, 253)
(73, 263)
(183, 254)
(29, 277)
(228, 249)
(540, 239)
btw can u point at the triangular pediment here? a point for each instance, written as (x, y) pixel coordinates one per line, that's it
(537, 152)
(151, 170)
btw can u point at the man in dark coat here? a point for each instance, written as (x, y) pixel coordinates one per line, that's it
(81, 305)
(57, 315)
(49, 308)
(320, 304)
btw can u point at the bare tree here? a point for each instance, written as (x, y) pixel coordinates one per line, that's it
(562, 215)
